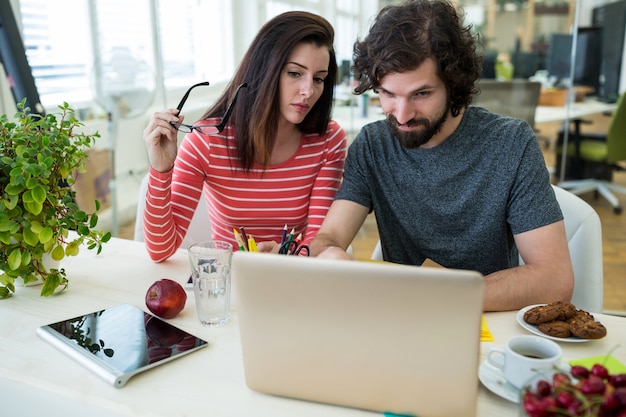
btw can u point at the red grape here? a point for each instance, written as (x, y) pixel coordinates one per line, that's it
(543, 388)
(579, 372)
(600, 371)
(592, 392)
(618, 380)
(592, 385)
(620, 395)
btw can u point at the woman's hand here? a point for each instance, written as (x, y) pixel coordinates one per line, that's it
(161, 139)
(268, 247)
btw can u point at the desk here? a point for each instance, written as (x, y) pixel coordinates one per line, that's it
(36, 379)
(548, 114)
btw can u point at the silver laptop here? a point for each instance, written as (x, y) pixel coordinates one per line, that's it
(368, 335)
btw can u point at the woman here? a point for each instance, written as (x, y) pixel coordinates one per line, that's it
(278, 160)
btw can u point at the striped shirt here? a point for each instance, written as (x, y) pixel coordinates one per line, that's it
(297, 192)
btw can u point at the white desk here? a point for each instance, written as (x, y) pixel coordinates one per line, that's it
(547, 114)
(37, 380)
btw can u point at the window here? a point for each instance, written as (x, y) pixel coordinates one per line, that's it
(73, 44)
(80, 49)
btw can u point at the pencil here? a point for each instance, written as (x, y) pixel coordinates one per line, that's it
(252, 244)
(239, 240)
(244, 237)
(284, 236)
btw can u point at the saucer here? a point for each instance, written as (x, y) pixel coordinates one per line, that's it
(493, 379)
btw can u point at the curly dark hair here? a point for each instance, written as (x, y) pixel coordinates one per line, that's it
(403, 36)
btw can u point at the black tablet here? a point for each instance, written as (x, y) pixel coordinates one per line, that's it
(119, 342)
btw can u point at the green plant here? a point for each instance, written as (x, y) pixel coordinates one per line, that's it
(39, 157)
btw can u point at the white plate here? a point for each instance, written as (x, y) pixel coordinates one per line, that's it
(533, 329)
(493, 379)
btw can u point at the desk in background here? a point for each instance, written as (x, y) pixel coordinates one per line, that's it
(549, 114)
(36, 379)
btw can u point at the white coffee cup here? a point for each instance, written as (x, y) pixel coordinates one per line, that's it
(524, 357)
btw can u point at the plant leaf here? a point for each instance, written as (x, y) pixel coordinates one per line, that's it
(29, 237)
(15, 259)
(58, 253)
(25, 258)
(33, 208)
(50, 284)
(45, 234)
(39, 194)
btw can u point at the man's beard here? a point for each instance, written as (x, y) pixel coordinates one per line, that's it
(416, 138)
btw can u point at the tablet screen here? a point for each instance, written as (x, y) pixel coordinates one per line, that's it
(119, 342)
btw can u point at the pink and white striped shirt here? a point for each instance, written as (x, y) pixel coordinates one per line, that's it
(297, 192)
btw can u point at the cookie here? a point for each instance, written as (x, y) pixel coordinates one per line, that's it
(542, 314)
(556, 328)
(581, 315)
(567, 309)
(586, 329)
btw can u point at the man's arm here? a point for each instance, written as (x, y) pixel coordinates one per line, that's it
(342, 223)
(547, 275)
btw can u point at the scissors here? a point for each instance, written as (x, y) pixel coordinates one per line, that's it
(292, 247)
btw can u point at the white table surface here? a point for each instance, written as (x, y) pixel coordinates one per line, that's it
(36, 379)
(547, 114)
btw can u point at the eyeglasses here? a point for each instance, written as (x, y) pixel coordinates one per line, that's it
(206, 128)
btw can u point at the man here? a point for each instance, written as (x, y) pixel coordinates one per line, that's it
(458, 185)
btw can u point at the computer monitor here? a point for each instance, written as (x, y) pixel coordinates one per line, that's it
(588, 49)
(343, 75)
(13, 58)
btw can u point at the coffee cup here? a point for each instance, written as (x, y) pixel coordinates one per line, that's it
(523, 358)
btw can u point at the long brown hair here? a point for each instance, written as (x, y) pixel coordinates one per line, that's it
(256, 113)
(403, 37)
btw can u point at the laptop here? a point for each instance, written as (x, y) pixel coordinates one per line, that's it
(368, 335)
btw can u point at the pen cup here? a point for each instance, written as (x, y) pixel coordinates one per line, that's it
(210, 272)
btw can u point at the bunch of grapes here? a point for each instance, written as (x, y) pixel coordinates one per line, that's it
(581, 392)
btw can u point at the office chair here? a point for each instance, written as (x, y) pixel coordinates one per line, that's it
(584, 239)
(517, 98)
(199, 228)
(598, 156)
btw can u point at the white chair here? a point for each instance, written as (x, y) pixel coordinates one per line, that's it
(199, 228)
(584, 237)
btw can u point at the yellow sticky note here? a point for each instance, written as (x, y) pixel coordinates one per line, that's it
(485, 333)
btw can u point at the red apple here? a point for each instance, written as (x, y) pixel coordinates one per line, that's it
(166, 298)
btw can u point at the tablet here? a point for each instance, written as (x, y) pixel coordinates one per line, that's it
(119, 342)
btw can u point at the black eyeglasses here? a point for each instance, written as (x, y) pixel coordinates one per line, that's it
(205, 128)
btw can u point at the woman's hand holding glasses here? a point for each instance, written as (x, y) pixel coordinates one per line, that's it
(161, 139)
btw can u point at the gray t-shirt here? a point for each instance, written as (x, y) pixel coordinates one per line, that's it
(459, 203)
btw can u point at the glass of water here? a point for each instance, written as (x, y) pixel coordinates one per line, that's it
(210, 272)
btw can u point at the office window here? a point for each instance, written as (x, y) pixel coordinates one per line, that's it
(71, 43)
(58, 48)
(196, 41)
(68, 42)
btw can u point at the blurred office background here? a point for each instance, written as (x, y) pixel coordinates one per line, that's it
(118, 61)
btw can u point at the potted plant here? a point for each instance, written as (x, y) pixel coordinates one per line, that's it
(39, 218)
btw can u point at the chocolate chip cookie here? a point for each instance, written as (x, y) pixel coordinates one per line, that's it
(562, 319)
(587, 328)
(556, 328)
(542, 314)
